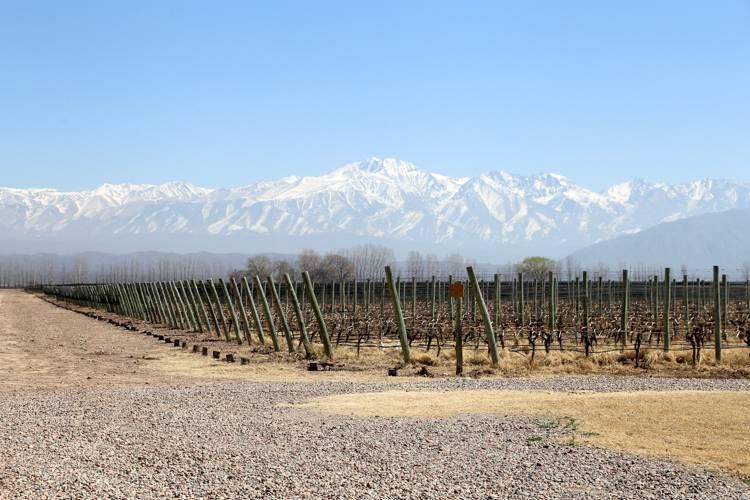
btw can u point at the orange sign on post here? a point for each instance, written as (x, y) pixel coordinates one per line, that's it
(457, 290)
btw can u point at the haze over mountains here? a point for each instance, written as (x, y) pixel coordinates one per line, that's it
(493, 217)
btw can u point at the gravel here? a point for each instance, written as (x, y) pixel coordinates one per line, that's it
(241, 440)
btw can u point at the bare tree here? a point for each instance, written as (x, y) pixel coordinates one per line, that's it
(259, 265)
(309, 260)
(455, 266)
(335, 267)
(415, 265)
(432, 264)
(369, 260)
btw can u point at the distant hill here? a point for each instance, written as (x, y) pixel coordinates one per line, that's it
(698, 242)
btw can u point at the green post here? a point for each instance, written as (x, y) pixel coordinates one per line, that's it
(717, 315)
(267, 312)
(300, 317)
(667, 300)
(624, 320)
(254, 310)
(405, 349)
(551, 316)
(219, 309)
(459, 340)
(497, 299)
(310, 291)
(214, 316)
(243, 312)
(230, 303)
(521, 300)
(432, 298)
(725, 300)
(490, 332)
(280, 312)
(587, 337)
(686, 301)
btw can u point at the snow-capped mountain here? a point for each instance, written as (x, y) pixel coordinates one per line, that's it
(495, 216)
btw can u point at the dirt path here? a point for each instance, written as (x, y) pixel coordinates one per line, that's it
(45, 347)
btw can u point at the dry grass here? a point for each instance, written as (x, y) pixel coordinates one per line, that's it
(371, 364)
(705, 428)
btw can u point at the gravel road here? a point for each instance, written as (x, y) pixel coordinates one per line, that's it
(241, 440)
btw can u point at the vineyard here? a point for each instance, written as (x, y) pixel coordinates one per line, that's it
(483, 322)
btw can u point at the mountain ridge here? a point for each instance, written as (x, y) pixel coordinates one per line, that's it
(492, 215)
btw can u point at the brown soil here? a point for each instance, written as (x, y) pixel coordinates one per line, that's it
(46, 347)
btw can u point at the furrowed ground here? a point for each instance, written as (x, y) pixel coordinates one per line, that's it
(91, 410)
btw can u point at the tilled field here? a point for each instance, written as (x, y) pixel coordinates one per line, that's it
(200, 438)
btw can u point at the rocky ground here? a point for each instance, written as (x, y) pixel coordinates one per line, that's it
(209, 438)
(245, 440)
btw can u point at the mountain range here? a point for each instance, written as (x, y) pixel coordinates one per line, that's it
(493, 217)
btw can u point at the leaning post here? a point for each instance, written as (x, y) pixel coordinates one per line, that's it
(405, 349)
(490, 332)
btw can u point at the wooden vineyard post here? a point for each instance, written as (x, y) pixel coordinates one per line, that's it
(199, 313)
(624, 322)
(254, 310)
(724, 300)
(432, 299)
(382, 297)
(450, 299)
(280, 312)
(184, 318)
(219, 310)
(413, 303)
(243, 311)
(457, 292)
(472, 298)
(154, 304)
(686, 301)
(368, 290)
(169, 286)
(490, 332)
(217, 327)
(267, 312)
(497, 300)
(230, 303)
(667, 308)
(521, 309)
(300, 317)
(310, 292)
(171, 321)
(405, 349)
(577, 299)
(717, 315)
(551, 320)
(354, 300)
(190, 306)
(586, 337)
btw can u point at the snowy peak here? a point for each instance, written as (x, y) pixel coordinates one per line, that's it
(375, 199)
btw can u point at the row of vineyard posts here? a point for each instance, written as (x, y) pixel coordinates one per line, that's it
(576, 315)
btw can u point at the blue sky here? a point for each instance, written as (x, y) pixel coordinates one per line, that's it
(226, 93)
